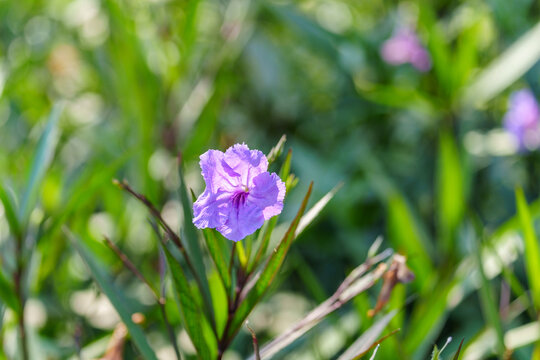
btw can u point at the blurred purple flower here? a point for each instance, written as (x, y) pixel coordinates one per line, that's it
(240, 193)
(405, 47)
(522, 119)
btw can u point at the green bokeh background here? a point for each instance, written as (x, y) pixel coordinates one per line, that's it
(423, 158)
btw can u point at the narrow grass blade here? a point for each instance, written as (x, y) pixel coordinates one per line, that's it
(7, 294)
(376, 345)
(450, 191)
(217, 254)
(276, 151)
(532, 250)
(505, 69)
(271, 269)
(316, 209)
(189, 308)
(406, 236)
(368, 338)
(192, 238)
(116, 297)
(43, 157)
(436, 354)
(10, 211)
(487, 301)
(286, 167)
(456, 355)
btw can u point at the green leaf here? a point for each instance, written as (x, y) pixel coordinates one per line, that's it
(532, 250)
(286, 167)
(11, 212)
(189, 308)
(405, 235)
(276, 151)
(116, 298)
(191, 235)
(7, 293)
(368, 338)
(315, 210)
(435, 355)
(217, 254)
(42, 159)
(456, 355)
(450, 190)
(266, 232)
(505, 69)
(271, 269)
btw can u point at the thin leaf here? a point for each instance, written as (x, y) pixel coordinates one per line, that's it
(487, 300)
(456, 356)
(43, 157)
(216, 252)
(7, 294)
(189, 308)
(116, 297)
(191, 235)
(406, 236)
(532, 250)
(276, 151)
(450, 190)
(436, 352)
(376, 345)
(10, 212)
(316, 209)
(269, 272)
(368, 338)
(505, 69)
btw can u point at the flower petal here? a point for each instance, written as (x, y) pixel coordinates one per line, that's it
(268, 193)
(244, 162)
(211, 210)
(215, 176)
(242, 221)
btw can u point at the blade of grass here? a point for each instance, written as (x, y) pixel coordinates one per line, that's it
(42, 159)
(376, 345)
(532, 250)
(405, 234)
(316, 209)
(368, 338)
(505, 69)
(116, 297)
(276, 151)
(7, 294)
(456, 356)
(450, 191)
(191, 235)
(217, 255)
(190, 310)
(10, 212)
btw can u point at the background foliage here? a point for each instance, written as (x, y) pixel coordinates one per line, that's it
(420, 154)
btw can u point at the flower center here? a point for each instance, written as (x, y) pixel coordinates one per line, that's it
(239, 197)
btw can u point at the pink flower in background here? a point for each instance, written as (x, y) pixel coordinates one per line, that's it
(240, 193)
(522, 119)
(405, 47)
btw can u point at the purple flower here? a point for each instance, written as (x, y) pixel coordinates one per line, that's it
(240, 193)
(405, 47)
(522, 119)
